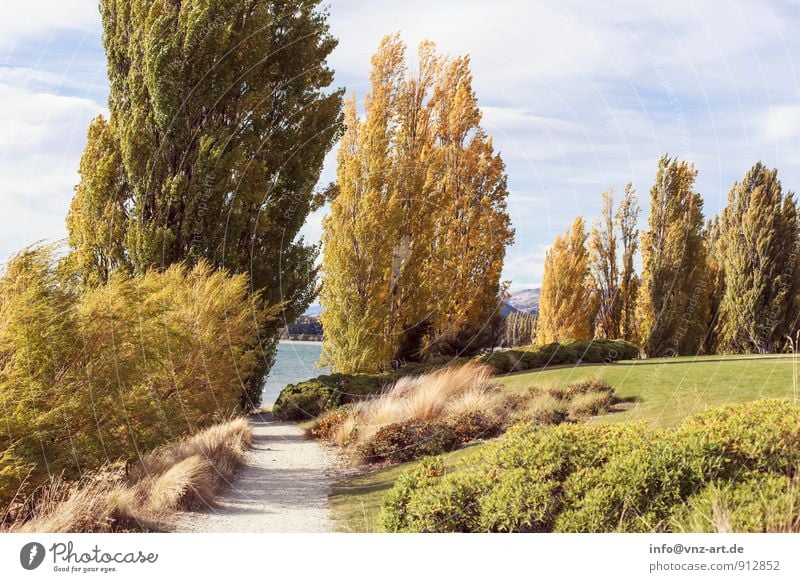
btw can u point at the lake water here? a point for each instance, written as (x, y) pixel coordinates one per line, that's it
(294, 362)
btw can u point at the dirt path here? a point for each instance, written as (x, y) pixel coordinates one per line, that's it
(283, 486)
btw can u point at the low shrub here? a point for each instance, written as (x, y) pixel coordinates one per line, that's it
(544, 409)
(407, 440)
(758, 503)
(567, 352)
(308, 399)
(588, 404)
(327, 424)
(460, 398)
(738, 464)
(473, 425)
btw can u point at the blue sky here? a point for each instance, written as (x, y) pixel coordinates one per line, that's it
(579, 96)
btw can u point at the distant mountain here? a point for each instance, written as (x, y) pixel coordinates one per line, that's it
(526, 300)
(313, 310)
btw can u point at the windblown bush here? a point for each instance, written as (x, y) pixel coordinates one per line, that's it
(108, 373)
(737, 466)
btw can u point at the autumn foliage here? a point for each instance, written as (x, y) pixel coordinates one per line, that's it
(417, 231)
(110, 373)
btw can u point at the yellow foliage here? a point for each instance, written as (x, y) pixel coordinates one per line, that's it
(112, 372)
(567, 304)
(417, 231)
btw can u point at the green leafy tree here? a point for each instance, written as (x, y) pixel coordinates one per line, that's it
(627, 219)
(221, 118)
(672, 308)
(760, 258)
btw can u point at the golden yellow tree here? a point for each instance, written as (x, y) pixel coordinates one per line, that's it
(567, 304)
(414, 242)
(473, 227)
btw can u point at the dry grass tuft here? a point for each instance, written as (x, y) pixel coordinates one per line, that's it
(438, 395)
(588, 404)
(185, 474)
(545, 409)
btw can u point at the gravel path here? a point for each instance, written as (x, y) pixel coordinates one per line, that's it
(283, 486)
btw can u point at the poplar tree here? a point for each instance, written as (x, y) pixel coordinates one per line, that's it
(519, 329)
(672, 305)
(759, 254)
(414, 242)
(567, 303)
(220, 116)
(605, 270)
(98, 217)
(472, 227)
(627, 218)
(715, 288)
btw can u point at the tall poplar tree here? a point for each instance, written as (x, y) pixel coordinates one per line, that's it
(672, 306)
(472, 228)
(567, 303)
(98, 218)
(715, 287)
(605, 270)
(221, 116)
(627, 219)
(414, 242)
(759, 231)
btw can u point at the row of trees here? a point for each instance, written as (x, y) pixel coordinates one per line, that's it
(519, 329)
(414, 244)
(731, 284)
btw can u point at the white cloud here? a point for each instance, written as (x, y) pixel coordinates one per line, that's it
(41, 140)
(782, 122)
(36, 19)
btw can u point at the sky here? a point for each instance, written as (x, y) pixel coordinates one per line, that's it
(579, 96)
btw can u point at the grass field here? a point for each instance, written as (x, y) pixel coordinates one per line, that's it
(660, 392)
(664, 391)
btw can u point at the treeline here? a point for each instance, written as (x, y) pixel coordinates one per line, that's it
(519, 329)
(730, 284)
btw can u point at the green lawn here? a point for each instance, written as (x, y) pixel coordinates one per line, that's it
(661, 392)
(664, 391)
(356, 501)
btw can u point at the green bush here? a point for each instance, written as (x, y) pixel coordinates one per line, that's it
(408, 440)
(595, 478)
(567, 352)
(310, 398)
(761, 502)
(470, 426)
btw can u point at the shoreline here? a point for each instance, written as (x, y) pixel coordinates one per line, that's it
(300, 342)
